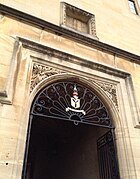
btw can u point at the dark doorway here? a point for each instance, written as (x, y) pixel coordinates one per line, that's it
(68, 134)
(62, 150)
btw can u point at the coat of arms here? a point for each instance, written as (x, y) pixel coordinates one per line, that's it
(75, 102)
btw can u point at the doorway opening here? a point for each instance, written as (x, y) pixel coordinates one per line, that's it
(62, 150)
(70, 136)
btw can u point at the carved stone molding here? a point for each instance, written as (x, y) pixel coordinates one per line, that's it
(72, 58)
(110, 89)
(68, 10)
(91, 42)
(10, 58)
(92, 26)
(40, 72)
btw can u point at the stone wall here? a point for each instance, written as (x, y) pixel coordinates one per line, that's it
(115, 23)
(66, 56)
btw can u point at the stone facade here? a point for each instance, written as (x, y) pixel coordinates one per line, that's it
(37, 50)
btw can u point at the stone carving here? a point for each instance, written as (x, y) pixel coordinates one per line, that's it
(40, 72)
(87, 18)
(92, 26)
(110, 90)
(64, 14)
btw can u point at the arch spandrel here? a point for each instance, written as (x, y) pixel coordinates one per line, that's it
(100, 116)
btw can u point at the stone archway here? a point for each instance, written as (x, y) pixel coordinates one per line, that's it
(53, 102)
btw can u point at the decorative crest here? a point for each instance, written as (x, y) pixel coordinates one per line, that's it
(75, 102)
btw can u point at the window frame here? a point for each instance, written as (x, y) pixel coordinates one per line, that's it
(136, 6)
(89, 19)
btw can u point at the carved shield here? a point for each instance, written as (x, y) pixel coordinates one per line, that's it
(75, 103)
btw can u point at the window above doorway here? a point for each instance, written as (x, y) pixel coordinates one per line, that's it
(77, 20)
(134, 6)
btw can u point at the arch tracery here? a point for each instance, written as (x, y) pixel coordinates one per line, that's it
(58, 101)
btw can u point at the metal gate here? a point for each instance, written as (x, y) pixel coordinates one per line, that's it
(72, 101)
(108, 165)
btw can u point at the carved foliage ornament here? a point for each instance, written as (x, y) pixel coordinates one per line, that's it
(41, 72)
(110, 90)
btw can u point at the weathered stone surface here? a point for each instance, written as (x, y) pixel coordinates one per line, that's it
(6, 50)
(115, 25)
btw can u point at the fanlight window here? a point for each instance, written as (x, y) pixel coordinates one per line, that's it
(71, 101)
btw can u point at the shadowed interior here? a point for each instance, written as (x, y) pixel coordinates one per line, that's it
(61, 150)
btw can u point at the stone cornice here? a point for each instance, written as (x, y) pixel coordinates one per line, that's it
(71, 58)
(83, 39)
